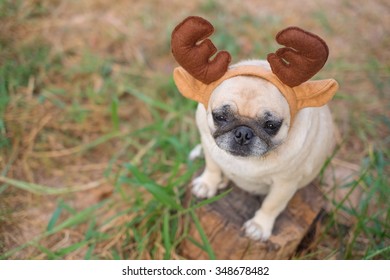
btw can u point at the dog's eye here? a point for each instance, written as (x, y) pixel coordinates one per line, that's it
(272, 127)
(219, 118)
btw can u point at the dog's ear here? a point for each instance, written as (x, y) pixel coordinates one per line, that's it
(190, 87)
(315, 93)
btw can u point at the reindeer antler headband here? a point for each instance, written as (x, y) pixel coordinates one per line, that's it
(302, 57)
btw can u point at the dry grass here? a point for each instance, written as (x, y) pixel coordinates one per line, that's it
(89, 90)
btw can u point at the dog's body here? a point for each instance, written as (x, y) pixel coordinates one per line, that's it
(263, 125)
(248, 137)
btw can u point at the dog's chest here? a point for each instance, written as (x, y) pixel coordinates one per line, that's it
(254, 177)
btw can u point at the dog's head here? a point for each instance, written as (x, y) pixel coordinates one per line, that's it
(250, 106)
(248, 116)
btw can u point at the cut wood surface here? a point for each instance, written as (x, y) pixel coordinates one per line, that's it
(222, 222)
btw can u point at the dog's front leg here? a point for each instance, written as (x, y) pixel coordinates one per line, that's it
(261, 225)
(212, 179)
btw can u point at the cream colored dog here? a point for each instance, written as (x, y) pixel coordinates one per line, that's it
(263, 125)
(247, 138)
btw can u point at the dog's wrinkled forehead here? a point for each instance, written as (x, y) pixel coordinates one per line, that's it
(249, 97)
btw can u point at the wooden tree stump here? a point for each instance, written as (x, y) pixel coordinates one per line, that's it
(222, 222)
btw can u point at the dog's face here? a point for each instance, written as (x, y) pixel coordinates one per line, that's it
(248, 116)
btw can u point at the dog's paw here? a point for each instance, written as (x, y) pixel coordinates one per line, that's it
(207, 186)
(256, 230)
(196, 152)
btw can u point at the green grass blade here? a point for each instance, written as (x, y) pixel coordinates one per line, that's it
(151, 101)
(166, 236)
(206, 243)
(161, 194)
(89, 253)
(76, 246)
(91, 229)
(44, 190)
(50, 255)
(115, 255)
(81, 148)
(54, 218)
(78, 218)
(212, 199)
(139, 176)
(114, 113)
(379, 252)
(74, 220)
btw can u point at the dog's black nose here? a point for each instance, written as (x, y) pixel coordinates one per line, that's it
(243, 135)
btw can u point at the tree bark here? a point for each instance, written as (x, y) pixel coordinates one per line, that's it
(222, 222)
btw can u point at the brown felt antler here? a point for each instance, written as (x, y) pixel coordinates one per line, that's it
(192, 50)
(304, 55)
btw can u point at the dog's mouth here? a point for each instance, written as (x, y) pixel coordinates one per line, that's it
(242, 141)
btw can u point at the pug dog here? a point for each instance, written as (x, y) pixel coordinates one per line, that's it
(247, 137)
(259, 127)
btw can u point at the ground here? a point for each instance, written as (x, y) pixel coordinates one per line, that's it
(95, 137)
